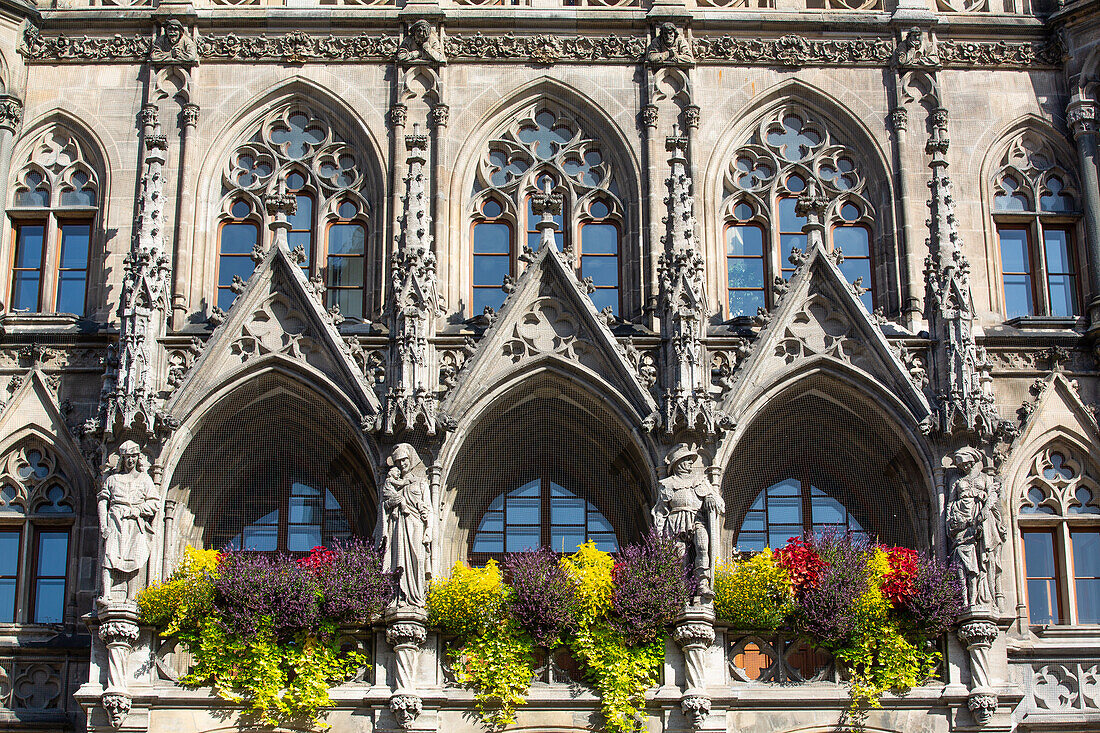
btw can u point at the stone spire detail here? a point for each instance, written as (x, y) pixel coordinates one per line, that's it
(682, 306)
(131, 402)
(964, 384)
(412, 401)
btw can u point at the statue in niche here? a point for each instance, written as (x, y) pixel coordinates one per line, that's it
(128, 503)
(174, 45)
(914, 51)
(406, 518)
(687, 509)
(976, 526)
(669, 47)
(422, 45)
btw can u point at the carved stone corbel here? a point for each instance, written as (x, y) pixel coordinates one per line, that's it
(118, 629)
(978, 634)
(406, 631)
(694, 632)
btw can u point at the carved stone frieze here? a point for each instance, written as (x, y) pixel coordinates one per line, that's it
(36, 47)
(545, 49)
(1001, 54)
(794, 50)
(298, 47)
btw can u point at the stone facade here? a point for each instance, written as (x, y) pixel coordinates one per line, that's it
(408, 257)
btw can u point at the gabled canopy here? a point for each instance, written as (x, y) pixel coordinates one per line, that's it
(549, 318)
(820, 319)
(276, 317)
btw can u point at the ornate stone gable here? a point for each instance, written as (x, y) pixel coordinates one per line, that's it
(818, 319)
(548, 316)
(277, 315)
(1057, 408)
(34, 404)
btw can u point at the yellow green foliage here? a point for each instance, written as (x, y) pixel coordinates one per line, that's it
(280, 683)
(590, 568)
(469, 601)
(755, 594)
(186, 598)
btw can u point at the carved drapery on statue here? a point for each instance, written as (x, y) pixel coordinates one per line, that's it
(406, 523)
(128, 505)
(977, 528)
(688, 508)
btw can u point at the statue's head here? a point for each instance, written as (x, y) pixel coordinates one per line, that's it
(129, 453)
(421, 31)
(913, 38)
(173, 31)
(682, 460)
(402, 457)
(667, 33)
(966, 458)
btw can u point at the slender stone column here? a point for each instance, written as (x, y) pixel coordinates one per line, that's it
(1082, 118)
(11, 115)
(185, 203)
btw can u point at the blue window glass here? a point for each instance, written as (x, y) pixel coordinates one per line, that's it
(600, 261)
(492, 260)
(790, 232)
(855, 242)
(237, 242)
(51, 565)
(27, 266)
(1016, 271)
(1061, 273)
(1042, 578)
(308, 518)
(347, 255)
(9, 574)
(745, 269)
(72, 269)
(789, 509)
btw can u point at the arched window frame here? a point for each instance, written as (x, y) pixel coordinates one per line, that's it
(544, 486)
(808, 522)
(1059, 511)
(761, 174)
(1018, 188)
(510, 171)
(58, 166)
(260, 165)
(38, 511)
(285, 503)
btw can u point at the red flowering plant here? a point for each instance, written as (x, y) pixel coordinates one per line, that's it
(319, 558)
(802, 563)
(899, 584)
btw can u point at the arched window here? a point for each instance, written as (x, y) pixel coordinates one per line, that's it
(36, 518)
(793, 509)
(53, 212)
(297, 148)
(540, 514)
(306, 518)
(790, 148)
(545, 149)
(1036, 214)
(1060, 533)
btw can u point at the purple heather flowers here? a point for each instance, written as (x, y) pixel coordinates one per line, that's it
(651, 586)
(544, 598)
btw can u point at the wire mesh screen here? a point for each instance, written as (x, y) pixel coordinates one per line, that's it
(553, 435)
(842, 447)
(275, 468)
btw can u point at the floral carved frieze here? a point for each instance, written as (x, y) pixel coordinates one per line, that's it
(300, 46)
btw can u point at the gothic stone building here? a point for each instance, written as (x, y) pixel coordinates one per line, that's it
(250, 246)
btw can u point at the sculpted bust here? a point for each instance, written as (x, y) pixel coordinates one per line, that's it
(977, 528)
(173, 44)
(422, 44)
(669, 47)
(406, 524)
(688, 509)
(128, 503)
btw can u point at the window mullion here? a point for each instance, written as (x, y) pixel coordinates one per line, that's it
(51, 261)
(1039, 270)
(1068, 590)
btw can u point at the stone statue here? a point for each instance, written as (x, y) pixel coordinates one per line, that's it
(174, 45)
(406, 524)
(422, 45)
(687, 509)
(913, 51)
(128, 506)
(977, 528)
(669, 47)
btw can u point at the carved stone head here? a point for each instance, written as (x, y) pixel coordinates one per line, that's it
(129, 456)
(683, 460)
(966, 458)
(667, 34)
(421, 31)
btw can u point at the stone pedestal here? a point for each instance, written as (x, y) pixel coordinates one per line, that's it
(406, 631)
(977, 632)
(694, 632)
(118, 628)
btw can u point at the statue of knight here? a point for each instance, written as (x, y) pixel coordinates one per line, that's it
(688, 509)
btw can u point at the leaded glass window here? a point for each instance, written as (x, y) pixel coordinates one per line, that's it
(306, 517)
(789, 149)
(792, 508)
(545, 149)
(298, 150)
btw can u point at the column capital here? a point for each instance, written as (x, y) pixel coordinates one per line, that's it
(11, 112)
(1081, 116)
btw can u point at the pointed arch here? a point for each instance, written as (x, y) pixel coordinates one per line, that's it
(829, 427)
(239, 457)
(1013, 148)
(848, 136)
(348, 134)
(549, 424)
(625, 208)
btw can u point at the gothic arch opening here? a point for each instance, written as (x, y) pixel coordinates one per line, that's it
(850, 464)
(561, 452)
(273, 467)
